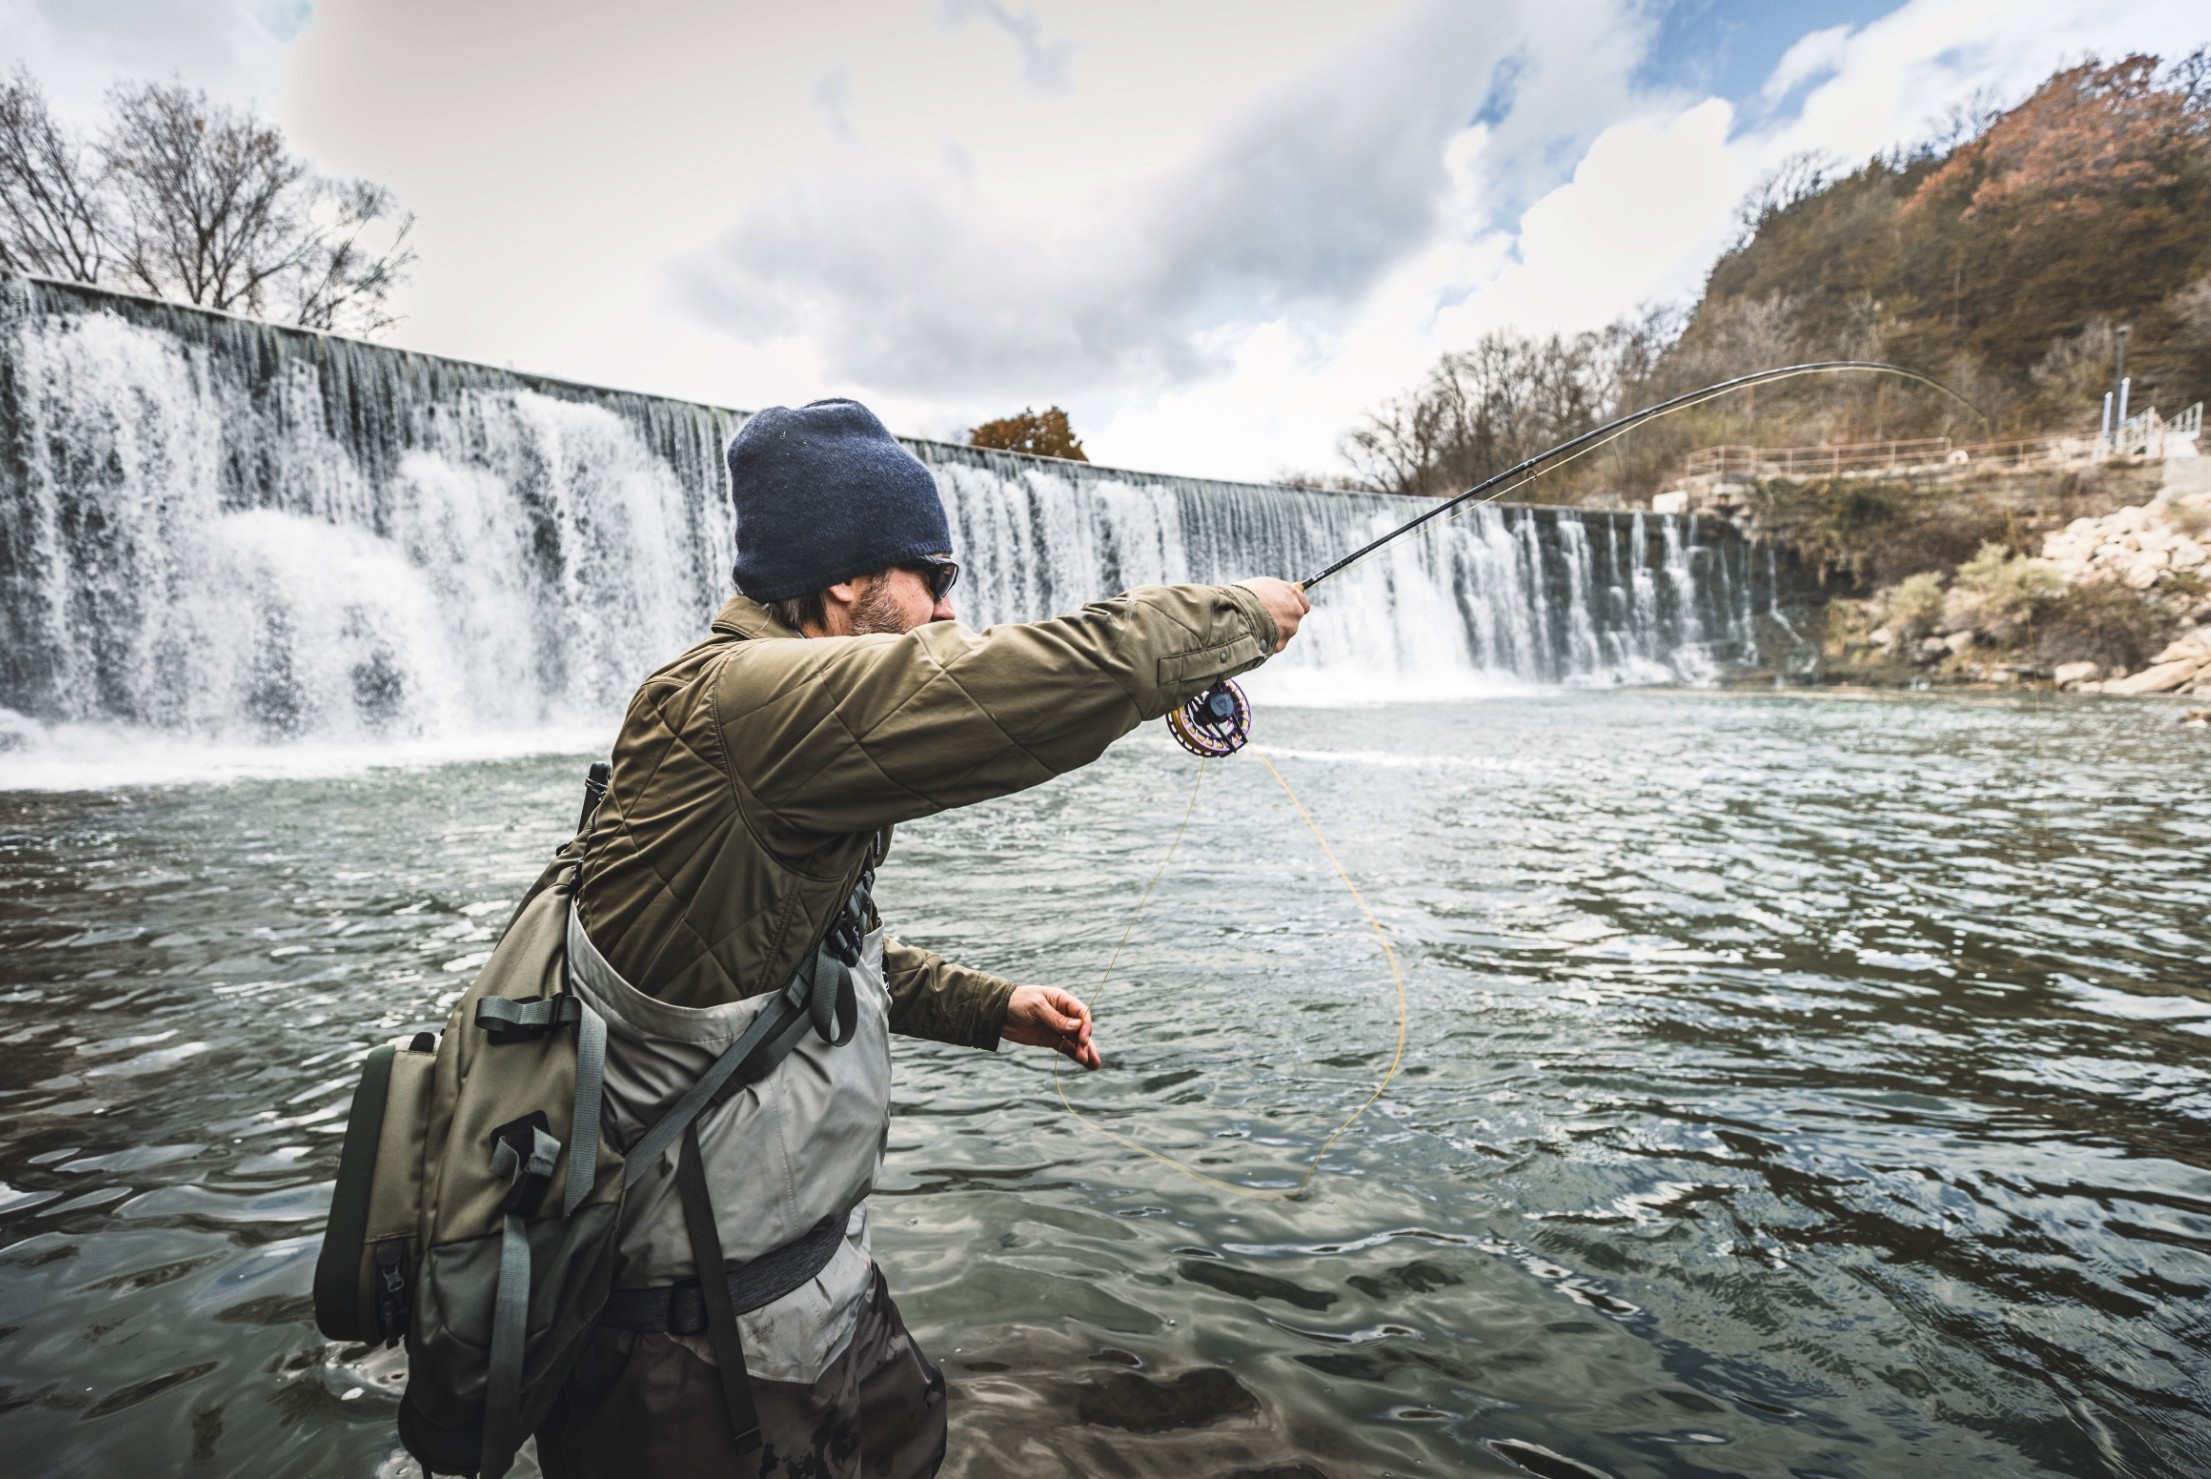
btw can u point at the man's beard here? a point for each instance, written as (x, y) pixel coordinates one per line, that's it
(875, 611)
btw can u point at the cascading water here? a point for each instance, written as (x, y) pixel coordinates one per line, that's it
(221, 529)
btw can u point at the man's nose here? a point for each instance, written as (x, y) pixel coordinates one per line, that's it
(942, 611)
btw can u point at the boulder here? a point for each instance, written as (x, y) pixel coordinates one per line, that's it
(2073, 674)
(1960, 642)
(2195, 645)
(2163, 678)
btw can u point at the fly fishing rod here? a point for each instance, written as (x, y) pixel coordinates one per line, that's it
(1589, 441)
(1218, 721)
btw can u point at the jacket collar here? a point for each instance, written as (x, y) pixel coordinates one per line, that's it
(741, 616)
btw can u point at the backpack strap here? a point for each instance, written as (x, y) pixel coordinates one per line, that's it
(721, 1312)
(524, 1153)
(583, 1122)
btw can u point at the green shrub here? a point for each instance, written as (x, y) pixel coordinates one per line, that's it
(1997, 593)
(1911, 607)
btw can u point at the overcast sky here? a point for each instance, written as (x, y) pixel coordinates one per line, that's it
(1214, 231)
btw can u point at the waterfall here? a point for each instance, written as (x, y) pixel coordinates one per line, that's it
(226, 530)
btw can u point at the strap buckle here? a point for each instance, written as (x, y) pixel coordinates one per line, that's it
(524, 1018)
(523, 1153)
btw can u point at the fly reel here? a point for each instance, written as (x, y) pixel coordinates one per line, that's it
(1215, 723)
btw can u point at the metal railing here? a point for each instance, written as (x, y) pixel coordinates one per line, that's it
(1923, 455)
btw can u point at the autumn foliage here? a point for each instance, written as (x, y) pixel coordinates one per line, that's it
(1042, 433)
(2007, 261)
(2001, 257)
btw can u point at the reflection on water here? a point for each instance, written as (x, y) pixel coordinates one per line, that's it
(1796, 1086)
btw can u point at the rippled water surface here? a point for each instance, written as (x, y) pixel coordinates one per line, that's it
(1795, 1086)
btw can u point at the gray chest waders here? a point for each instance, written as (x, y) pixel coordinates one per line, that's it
(820, 998)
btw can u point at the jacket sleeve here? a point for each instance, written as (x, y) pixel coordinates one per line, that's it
(839, 735)
(942, 1000)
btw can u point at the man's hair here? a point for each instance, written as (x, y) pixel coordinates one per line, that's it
(796, 612)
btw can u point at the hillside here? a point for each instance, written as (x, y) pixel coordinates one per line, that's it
(2004, 263)
(2001, 259)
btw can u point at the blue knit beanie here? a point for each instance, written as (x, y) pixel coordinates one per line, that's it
(824, 493)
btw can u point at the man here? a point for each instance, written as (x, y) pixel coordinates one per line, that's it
(755, 784)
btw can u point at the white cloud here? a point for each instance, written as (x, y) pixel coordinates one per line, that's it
(1216, 233)
(1819, 54)
(78, 48)
(1647, 208)
(910, 278)
(1641, 220)
(1046, 62)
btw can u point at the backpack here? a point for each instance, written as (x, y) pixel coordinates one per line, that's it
(478, 1197)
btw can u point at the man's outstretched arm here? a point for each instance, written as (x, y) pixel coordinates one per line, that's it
(842, 735)
(944, 1001)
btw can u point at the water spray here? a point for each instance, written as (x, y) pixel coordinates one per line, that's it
(1218, 721)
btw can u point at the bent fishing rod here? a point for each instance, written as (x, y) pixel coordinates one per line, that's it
(1218, 721)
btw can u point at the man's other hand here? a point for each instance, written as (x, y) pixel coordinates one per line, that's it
(1044, 1017)
(1284, 600)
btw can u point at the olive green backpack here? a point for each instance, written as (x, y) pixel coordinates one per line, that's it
(466, 1221)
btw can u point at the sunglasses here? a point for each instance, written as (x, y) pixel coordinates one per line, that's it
(942, 575)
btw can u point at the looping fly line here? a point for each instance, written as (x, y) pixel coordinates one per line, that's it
(1397, 976)
(1218, 722)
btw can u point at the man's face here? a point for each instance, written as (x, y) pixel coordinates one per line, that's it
(897, 601)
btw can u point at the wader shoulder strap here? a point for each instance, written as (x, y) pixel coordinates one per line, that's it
(819, 995)
(773, 1021)
(721, 1314)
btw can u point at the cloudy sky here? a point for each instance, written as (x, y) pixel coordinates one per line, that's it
(1213, 230)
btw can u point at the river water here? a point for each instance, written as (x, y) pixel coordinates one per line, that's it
(1794, 1086)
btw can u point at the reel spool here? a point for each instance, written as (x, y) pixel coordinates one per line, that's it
(1215, 723)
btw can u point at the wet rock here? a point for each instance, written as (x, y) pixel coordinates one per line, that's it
(2163, 678)
(2197, 718)
(1137, 1404)
(2073, 674)
(2195, 646)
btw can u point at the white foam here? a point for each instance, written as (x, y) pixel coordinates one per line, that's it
(96, 757)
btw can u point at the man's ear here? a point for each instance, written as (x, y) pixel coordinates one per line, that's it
(844, 592)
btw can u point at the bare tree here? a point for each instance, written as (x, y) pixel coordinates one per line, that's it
(1961, 123)
(186, 198)
(2191, 78)
(344, 281)
(53, 218)
(209, 197)
(1395, 446)
(1481, 410)
(1794, 180)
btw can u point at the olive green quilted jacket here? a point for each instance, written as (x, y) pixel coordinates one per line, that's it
(753, 772)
